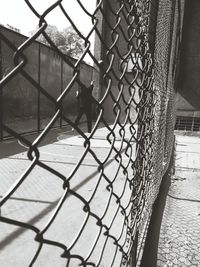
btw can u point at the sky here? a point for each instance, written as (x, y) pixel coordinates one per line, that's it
(17, 14)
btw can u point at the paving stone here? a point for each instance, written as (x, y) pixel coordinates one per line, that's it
(181, 222)
(178, 240)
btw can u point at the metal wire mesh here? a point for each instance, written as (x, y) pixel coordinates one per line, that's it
(99, 198)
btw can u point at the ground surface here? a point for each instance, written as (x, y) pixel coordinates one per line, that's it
(37, 197)
(174, 235)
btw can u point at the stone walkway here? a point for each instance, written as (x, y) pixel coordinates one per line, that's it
(174, 236)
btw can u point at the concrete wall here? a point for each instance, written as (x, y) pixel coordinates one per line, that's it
(19, 96)
(188, 96)
(23, 100)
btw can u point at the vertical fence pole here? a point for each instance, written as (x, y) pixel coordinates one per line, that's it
(61, 89)
(38, 110)
(133, 253)
(1, 95)
(1, 100)
(192, 126)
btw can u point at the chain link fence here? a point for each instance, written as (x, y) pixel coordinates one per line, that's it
(99, 198)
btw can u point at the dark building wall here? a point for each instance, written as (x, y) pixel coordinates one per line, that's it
(19, 96)
(188, 103)
(21, 99)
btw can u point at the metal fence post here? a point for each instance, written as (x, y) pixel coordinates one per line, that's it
(38, 106)
(1, 93)
(133, 253)
(61, 88)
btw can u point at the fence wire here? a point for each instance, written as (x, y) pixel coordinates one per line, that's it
(98, 200)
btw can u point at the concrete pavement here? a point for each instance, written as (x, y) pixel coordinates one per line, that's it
(37, 197)
(174, 233)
